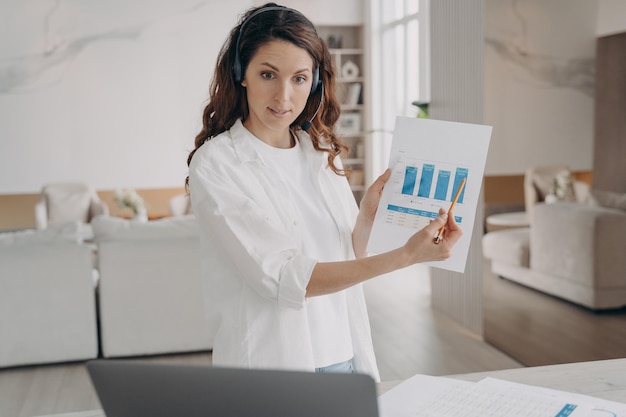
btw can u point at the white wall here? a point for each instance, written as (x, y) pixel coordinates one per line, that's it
(611, 17)
(109, 92)
(327, 12)
(539, 65)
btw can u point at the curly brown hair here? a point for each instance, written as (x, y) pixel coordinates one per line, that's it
(228, 102)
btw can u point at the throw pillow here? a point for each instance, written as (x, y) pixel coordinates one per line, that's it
(560, 185)
(67, 205)
(607, 199)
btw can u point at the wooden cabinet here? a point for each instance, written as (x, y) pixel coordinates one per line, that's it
(609, 165)
(346, 47)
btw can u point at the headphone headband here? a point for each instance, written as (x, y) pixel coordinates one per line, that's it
(238, 70)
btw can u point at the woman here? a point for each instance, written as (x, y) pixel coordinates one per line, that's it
(284, 239)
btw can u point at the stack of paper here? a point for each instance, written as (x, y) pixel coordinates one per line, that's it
(429, 396)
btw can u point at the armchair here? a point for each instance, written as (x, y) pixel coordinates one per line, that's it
(61, 203)
(572, 251)
(47, 297)
(151, 287)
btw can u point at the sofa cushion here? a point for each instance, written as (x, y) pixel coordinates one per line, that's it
(108, 228)
(510, 246)
(545, 183)
(579, 243)
(67, 203)
(607, 199)
(67, 232)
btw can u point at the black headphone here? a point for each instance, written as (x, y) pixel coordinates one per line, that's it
(237, 67)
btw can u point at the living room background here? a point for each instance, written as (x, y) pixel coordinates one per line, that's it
(111, 93)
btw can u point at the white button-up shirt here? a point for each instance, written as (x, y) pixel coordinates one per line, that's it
(256, 274)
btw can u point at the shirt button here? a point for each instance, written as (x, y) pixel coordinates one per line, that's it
(295, 222)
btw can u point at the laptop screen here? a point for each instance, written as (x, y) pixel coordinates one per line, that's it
(135, 388)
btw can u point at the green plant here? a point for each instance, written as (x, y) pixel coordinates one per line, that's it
(423, 109)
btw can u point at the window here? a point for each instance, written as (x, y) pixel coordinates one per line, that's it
(400, 67)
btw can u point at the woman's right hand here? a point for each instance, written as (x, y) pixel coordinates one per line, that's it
(421, 247)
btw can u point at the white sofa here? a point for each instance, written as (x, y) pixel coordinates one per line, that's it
(573, 251)
(47, 300)
(151, 287)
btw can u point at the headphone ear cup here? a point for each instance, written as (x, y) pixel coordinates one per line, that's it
(237, 70)
(316, 80)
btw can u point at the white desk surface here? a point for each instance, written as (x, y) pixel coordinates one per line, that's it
(603, 379)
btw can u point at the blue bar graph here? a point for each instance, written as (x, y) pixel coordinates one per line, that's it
(458, 177)
(410, 177)
(441, 190)
(426, 181)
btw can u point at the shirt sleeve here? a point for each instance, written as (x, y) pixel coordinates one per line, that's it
(237, 208)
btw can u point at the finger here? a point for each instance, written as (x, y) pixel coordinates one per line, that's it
(453, 232)
(452, 224)
(438, 222)
(382, 180)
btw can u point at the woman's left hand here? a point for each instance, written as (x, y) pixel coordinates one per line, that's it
(367, 212)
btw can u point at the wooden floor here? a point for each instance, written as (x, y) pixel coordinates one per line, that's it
(409, 338)
(539, 329)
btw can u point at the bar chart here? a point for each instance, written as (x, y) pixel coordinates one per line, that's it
(422, 188)
(426, 172)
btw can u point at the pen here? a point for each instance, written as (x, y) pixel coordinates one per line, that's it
(438, 237)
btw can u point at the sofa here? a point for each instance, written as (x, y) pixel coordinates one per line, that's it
(151, 287)
(574, 251)
(47, 297)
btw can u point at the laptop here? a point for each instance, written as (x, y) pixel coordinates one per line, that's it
(136, 388)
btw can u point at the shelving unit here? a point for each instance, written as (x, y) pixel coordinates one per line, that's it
(346, 47)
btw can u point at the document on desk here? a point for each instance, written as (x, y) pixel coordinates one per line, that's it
(427, 396)
(429, 161)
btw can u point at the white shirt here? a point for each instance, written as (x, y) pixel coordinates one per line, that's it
(327, 315)
(256, 272)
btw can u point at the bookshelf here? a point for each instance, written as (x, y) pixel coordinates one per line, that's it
(347, 49)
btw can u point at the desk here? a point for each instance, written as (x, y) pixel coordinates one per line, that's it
(603, 379)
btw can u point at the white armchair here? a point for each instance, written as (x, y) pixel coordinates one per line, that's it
(61, 203)
(151, 288)
(47, 297)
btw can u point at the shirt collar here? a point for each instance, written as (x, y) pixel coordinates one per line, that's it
(242, 142)
(241, 139)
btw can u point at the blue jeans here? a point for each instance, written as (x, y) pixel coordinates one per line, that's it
(339, 368)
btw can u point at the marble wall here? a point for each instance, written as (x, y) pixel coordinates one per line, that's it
(110, 92)
(106, 92)
(539, 83)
